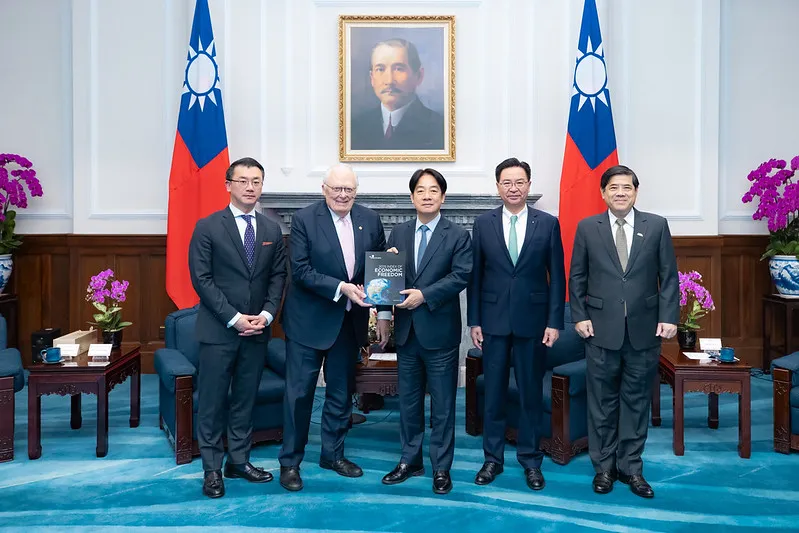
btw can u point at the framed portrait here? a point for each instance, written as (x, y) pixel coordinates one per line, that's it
(396, 88)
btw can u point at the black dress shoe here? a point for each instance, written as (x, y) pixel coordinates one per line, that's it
(534, 477)
(488, 473)
(290, 478)
(247, 471)
(442, 483)
(402, 472)
(603, 482)
(638, 485)
(343, 467)
(213, 486)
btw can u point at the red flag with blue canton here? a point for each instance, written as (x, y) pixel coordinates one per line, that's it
(590, 138)
(200, 157)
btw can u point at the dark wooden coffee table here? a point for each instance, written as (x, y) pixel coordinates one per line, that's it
(80, 379)
(687, 375)
(375, 378)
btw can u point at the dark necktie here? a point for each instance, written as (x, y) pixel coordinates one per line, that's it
(389, 129)
(621, 243)
(249, 240)
(422, 245)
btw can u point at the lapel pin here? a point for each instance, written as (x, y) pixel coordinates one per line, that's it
(640, 234)
(360, 227)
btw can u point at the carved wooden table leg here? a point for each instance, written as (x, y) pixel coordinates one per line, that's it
(75, 418)
(782, 410)
(102, 418)
(6, 419)
(656, 420)
(713, 410)
(135, 395)
(745, 419)
(34, 421)
(679, 416)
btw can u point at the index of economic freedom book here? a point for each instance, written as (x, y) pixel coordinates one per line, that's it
(384, 278)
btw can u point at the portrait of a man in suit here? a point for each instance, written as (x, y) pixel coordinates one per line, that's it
(397, 88)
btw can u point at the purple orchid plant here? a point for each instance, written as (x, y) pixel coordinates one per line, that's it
(778, 204)
(15, 171)
(701, 303)
(105, 292)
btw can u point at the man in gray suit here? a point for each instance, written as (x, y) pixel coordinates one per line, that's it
(624, 292)
(238, 268)
(427, 324)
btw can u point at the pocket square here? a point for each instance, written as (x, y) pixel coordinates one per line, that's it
(266, 243)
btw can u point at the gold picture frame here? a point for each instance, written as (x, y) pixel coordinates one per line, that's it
(396, 88)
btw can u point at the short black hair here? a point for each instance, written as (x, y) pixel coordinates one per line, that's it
(442, 183)
(248, 162)
(618, 170)
(413, 55)
(510, 163)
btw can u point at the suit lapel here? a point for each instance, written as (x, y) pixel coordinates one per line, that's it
(410, 247)
(325, 220)
(229, 222)
(496, 219)
(532, 218)
(604, 230)
(260, 237)
(435, 241)
(360, 250)
(639, 234)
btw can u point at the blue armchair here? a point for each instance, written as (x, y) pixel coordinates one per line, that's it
(176, 366)
(785, 372)
(565, 421)
(12, 380)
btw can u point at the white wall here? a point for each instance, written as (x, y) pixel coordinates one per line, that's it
(90, 90)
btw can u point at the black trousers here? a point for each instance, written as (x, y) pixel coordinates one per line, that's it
(233, 368)
(529, 362)
(302, 372)
(438, 369)
(619, 385)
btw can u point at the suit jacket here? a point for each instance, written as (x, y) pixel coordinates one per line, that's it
(521, 300)
(310, 316)
(421, 128)
(225, 283)
(443, 273)
(598, 288)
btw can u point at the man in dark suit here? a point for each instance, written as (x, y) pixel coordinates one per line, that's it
(238, 268)
(401, 122)
(624, 293)
(516, 301)
(325, 319)
(427, 328)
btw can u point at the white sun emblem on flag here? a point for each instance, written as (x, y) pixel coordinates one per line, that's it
(590, 76)
(202, 75)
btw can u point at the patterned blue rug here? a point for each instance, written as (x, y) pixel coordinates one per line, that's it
(139, 486)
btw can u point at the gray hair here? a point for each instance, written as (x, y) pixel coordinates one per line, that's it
(337, 168)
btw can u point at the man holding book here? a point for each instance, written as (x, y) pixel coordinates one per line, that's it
(427, 328)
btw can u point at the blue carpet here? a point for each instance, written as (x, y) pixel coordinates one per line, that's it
(139, 486)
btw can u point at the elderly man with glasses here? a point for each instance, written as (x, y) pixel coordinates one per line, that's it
(325, 319)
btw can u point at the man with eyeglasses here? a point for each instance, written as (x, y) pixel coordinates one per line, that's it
(515, 309)
(325, 320)
(238, 268)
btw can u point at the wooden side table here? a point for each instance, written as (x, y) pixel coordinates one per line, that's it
(775, 305)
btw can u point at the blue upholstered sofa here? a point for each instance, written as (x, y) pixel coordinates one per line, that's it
(565, 421)
(12, 379)
(785, 372)
(177, 365)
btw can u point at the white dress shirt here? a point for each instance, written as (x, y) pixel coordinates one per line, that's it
(629, 228)
(241, 224)
(396, 115)
(521, 227)
(340, 228)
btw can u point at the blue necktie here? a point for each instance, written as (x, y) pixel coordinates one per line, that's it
(422, 245)
(513, 245)
(249, 240)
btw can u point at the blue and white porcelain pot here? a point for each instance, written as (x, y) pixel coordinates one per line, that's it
(6, 265)
(784, 271)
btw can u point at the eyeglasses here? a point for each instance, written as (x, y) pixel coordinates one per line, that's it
(257, 182)
(519, 184)
(349, 191)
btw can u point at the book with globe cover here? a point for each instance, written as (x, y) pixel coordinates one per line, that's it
(384, 278)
